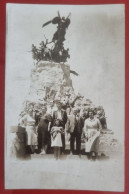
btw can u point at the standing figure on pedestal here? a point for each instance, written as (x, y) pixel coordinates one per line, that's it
(63, 24)
(58, 53)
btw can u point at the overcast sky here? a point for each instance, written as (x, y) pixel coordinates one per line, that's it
(95, 38)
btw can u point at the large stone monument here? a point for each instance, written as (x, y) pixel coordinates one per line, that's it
(50, 80)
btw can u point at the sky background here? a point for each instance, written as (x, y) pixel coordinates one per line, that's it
(95, 39)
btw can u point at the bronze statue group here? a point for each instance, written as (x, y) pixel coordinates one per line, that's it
(53, 50)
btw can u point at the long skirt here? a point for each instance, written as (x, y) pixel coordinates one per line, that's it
(31, 136)
(92, 143)
(44, 137)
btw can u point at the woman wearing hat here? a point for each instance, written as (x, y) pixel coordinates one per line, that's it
(92, 128)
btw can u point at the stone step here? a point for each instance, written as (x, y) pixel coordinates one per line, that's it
(101, 156)
(64, 156)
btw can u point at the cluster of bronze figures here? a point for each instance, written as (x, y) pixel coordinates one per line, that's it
(53, 50)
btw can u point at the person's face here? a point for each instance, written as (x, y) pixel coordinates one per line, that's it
(95, 111)
(86, 111)
(83, 115)
(57, 123)
(99, 114)
(91, 115)
(75, 112)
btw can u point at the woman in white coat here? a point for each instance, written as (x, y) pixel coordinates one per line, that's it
(92, 128)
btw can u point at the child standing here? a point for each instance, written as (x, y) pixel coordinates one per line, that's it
(56, 140)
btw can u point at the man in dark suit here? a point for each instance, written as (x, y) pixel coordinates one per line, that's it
(74, 126)
(62, 115)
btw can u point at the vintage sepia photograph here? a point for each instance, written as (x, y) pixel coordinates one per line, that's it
(65, 97)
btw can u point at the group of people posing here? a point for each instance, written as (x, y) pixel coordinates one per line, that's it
(55, 127)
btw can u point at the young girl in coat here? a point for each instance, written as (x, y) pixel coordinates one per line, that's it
(56, 140)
